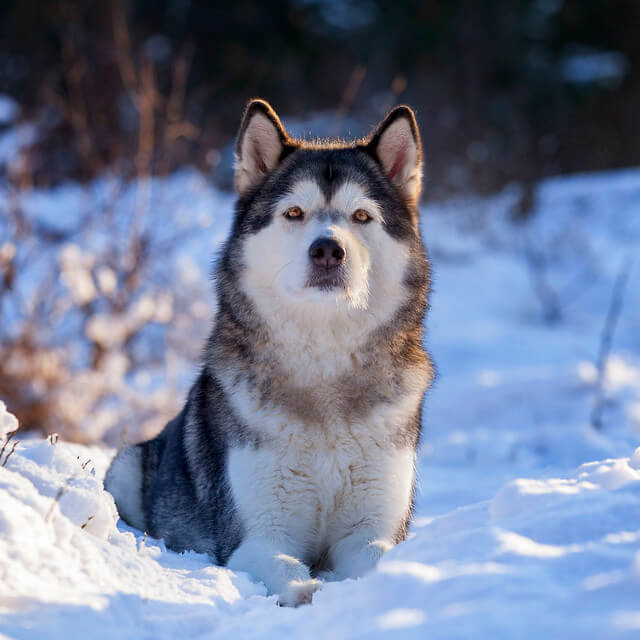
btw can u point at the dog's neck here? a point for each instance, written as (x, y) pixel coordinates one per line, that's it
(307, 347)
(319, 375)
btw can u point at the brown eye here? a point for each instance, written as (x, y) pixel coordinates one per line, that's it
(294, 213)
(361, 216)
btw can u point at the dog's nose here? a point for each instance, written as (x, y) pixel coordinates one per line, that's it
(326, 253)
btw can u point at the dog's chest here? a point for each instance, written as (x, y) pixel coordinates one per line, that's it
(317, 485)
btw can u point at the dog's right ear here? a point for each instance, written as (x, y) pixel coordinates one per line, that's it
(262, 141)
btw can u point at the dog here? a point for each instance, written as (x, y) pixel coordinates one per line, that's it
(293, 458)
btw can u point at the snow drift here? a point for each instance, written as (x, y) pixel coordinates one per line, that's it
(553, 555)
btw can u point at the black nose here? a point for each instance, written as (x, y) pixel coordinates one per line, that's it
(326, 253)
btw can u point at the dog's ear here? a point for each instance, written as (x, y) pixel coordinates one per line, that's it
(261, 142)
(395, 144)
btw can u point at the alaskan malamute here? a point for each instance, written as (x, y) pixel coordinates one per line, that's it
(293, 458)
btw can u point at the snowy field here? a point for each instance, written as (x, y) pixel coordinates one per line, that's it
(527, 517)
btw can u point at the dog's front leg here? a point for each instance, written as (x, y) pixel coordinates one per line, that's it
(282, 574)
(357, 553)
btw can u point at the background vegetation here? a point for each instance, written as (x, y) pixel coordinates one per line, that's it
(102, 309)
(505, 89)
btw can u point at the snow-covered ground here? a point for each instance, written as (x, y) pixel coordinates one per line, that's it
(527, 518)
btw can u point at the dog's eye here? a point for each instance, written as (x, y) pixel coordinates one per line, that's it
(294, 213)
(361, 216)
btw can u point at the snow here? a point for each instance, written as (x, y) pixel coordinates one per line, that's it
(9, 109)
(606, 68)
(527, 517)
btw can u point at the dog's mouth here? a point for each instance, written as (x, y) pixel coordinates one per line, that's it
(326, 279)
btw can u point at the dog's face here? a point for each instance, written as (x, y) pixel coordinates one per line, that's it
(326, 229)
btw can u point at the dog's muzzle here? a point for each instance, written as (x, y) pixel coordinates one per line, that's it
(327, 258)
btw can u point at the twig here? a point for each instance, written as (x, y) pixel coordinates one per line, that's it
(548, 298)
(15, 444)
(348, 98)
(61, 490)
(124, 57)
(10, 435)
(606, 337)
(123, 438)
(143, 541)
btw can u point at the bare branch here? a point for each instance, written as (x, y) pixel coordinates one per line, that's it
(13, 448)
(606, 338)
(537, 268)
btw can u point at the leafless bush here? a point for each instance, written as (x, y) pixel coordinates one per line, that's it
(89, 315)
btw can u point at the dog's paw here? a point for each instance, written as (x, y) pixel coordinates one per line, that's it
(299, 592)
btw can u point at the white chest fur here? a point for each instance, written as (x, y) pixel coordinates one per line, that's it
(311, 488)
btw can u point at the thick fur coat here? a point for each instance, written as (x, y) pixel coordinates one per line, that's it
(293, 458)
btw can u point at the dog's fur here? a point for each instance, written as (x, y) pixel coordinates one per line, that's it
(293, 457)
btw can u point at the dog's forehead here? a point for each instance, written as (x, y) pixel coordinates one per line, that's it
(308, 194)
(329, 169)
(338, 178)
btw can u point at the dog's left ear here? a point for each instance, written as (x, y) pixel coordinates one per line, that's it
(261, 142)
(395, 144)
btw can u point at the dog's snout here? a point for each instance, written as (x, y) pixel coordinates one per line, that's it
(326, 253)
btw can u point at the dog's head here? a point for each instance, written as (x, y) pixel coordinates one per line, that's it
(327, 228)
